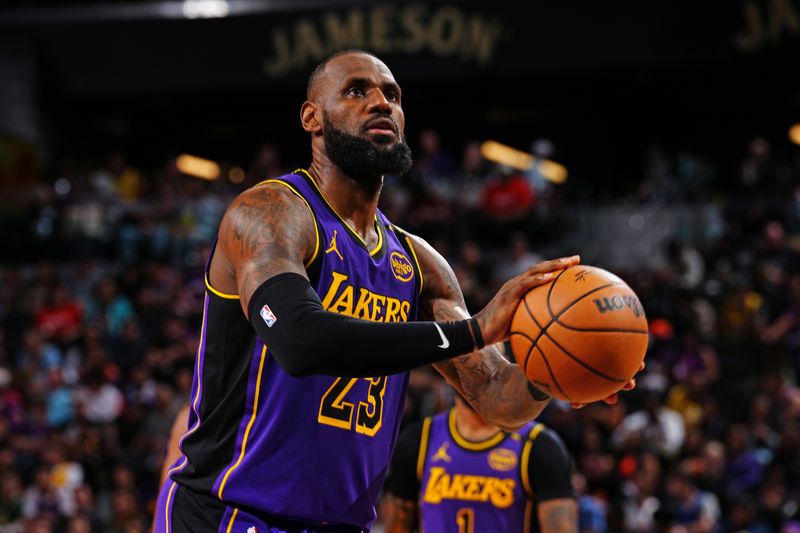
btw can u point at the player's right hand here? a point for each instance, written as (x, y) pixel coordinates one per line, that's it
(614, 398)
(495, 319)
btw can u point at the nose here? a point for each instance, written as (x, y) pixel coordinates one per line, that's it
(378, 102)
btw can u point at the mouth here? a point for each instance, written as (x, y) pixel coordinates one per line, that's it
(381, 126)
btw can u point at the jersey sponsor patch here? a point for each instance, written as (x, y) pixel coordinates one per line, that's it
(502, 459)
(401, 267)
(268, 316)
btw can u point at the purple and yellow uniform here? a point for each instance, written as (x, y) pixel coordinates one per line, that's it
(265, 447)
(462, 486)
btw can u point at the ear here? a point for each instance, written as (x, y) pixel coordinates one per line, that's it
(311, 117)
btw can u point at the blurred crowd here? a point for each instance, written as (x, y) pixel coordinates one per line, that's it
(100, 307)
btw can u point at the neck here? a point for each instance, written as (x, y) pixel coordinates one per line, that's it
(472, 426)
(354, 201)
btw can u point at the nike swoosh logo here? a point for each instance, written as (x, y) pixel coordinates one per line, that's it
(445, 343)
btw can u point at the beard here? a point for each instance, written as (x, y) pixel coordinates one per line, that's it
(363, 160)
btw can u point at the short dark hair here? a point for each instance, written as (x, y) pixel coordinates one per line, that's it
(320, 68)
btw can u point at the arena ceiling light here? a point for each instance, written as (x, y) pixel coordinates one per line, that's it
(505, 155)
(794, 133)
(205, 9)
(236, 175)
(197, 167)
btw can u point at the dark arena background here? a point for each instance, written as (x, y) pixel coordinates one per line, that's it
(660, 140)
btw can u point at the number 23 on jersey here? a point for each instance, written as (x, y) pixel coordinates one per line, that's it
(334, 411)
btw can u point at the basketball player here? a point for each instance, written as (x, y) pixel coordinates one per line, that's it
(455, 472)
(316, 306)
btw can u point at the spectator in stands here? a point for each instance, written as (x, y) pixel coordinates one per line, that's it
(508, 201)
(110, 307)
(431, 159)
(690, 507)
(60, 319)
(654, 427)
(742, 515)
(516, 257)
(120, 340)
(11, 497)
(640, 502)
(99, 401)
(592, 510)
(42, 498)
(745, 467)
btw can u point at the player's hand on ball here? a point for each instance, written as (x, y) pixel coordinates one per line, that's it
(494, 320)
(614, 398)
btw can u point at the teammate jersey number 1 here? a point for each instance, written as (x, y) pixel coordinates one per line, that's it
(465, 519)
(334, 411)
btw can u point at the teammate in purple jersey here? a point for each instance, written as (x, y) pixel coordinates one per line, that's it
(316, 307)
(456, 473)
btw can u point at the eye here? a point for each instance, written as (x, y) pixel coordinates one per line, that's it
(355, 91)
(392, 96)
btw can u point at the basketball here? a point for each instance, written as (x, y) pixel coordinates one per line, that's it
(580, 337)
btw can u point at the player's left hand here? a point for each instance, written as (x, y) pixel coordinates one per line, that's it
(614, 398)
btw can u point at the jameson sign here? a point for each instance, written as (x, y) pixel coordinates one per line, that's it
(432, 40)
(767, 22)
(446, 31)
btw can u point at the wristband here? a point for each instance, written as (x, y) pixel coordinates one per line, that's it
(537, 394)
(476, 333)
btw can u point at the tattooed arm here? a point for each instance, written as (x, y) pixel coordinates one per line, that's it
(402, 488)
(266, 231)
(558, 516)
(265, 239)
(400, 516)
(496, 388)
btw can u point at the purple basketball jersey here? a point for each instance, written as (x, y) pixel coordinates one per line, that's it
(470, 486)
(313, 449)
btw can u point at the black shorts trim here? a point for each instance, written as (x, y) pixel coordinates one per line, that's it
(194, 512)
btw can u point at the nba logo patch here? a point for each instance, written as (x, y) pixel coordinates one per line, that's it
(268, 316)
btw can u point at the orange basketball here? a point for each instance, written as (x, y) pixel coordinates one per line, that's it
(580, 337)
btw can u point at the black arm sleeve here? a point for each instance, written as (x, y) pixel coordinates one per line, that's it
(550, 467)
(402, 480)
(306, 340)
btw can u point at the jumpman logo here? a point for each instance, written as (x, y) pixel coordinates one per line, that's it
(441, 454)
(332, 247)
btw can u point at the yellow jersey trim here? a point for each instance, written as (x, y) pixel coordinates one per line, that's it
(526, 455)
(218, 293)
(249, 424)
(478, 446)
(233, 519)
(346, 225)
(380, 237)
(416, 261)
(423, 447)
(316, 226)
(526, 527)
(307, 263)
(169, 498)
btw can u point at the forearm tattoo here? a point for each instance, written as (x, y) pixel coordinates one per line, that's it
(558, 516)
(401, 515)
(492, 385)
